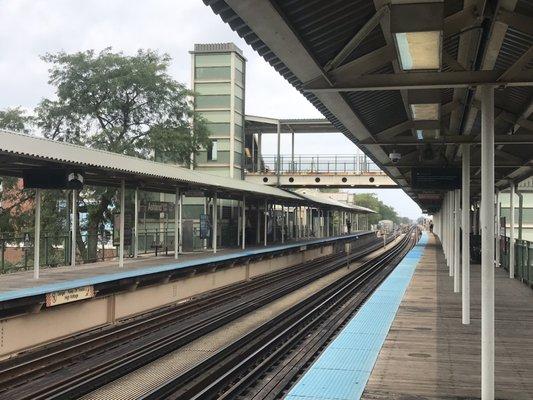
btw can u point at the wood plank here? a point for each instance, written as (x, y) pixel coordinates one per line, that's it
(429, 354)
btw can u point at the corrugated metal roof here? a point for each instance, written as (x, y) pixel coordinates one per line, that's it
(73, 155)
(324, 199)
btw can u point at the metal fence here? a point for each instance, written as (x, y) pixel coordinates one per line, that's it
(16, 251)
(523, 259)
(304, 164)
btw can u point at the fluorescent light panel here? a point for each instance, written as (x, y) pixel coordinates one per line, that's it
(427, 133)
(425, 112)
(419, 50)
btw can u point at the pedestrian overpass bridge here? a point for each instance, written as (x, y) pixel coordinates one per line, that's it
(318, 171)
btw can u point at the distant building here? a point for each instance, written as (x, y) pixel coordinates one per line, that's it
(218, 79)
(525, 190)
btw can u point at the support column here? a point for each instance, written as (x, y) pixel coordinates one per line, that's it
(215, 223)
(258, 224)
(74, 225)
(457, 242)
(37, 240)
(176, 223)
(278, 159)
(259, 139)
(487, 242)
(136, 224)
(122, 213)
(265, 230)
(497, 232)
(282, 224)
(205, 212)
(180, 224)
(465, 225)
(511, 232)
(292, 152)
(243, 218)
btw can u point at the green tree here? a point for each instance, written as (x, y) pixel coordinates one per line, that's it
(370, 200)
(119, 103)
(16, 213)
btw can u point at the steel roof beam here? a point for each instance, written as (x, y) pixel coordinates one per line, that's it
(357, 38)
(520, 22)
(454, 139)
(421, 80)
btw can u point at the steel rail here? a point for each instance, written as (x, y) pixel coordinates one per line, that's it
(87, 380)
(208, 378)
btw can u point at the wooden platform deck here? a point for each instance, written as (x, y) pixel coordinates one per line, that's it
(429, 354)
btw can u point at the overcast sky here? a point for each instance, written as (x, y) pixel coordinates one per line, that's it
(31, 28)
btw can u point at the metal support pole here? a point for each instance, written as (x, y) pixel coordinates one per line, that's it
(520, 213)
(292, 152)
(122, 213)
(497, 232)
(176, 223)
(457, 242)
(265, 231)
(215, 223)
(465, 225)
(487, 242)
(205, 212)
(258, 224)
(278, 160)
(282, 224)
(511, 232)
(451, 240)
(136, 224)
(243, 218)
(74, 224)
(259, 139)
(37, 240)
(180, 224)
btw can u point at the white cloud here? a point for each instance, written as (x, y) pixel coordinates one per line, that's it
(31, 28)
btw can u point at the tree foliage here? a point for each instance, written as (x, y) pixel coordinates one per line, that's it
(109, 101)
(370, 200)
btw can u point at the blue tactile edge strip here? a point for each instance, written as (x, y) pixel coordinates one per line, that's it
(97, 279)
(342, 370)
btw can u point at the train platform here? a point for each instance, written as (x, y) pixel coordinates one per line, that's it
(408, 342)
(22, 284)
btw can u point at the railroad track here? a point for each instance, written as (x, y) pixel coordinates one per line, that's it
(264, 363)
(77, 366)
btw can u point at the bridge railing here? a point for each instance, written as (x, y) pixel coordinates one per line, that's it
(312, 164)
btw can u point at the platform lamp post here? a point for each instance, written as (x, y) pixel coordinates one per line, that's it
(73, 224)
(37, 241)
(465, 225)
(487, 242)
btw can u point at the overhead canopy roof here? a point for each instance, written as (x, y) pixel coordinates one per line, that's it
(20, 152)
(256, 124)
(325, 200)
(342, 56)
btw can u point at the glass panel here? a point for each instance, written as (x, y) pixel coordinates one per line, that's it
(218, 129)
(213, 60)
(239, 92)
(212, 151)
(238, 132)
(213, 73)
(223, 145)
(216, 116)
(239, 64)
(238, 118)
(239, 78)
(238, 104)
(215, 101)
(213, 88)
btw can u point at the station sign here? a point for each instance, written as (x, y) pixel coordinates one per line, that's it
(69, 295)
(157, 206)
(436, 178)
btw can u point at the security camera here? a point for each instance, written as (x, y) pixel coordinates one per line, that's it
(75, 180)
(395, 157)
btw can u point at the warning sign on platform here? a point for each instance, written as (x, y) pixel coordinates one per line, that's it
(69, 295)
